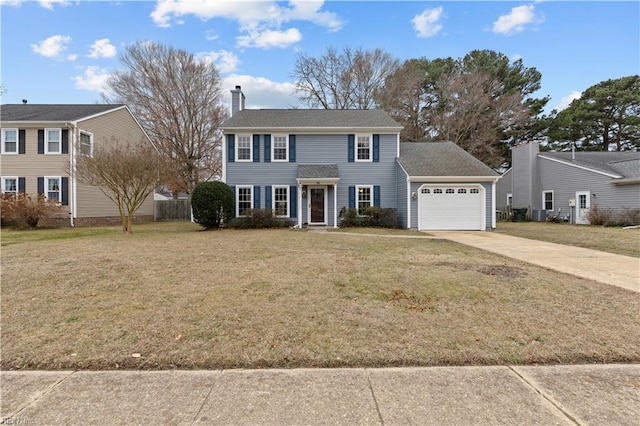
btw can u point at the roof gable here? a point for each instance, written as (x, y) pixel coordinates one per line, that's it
(440, 159)
(618, 163)
(52, 112)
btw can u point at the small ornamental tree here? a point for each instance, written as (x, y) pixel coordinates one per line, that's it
(26, 209)
(212, 204)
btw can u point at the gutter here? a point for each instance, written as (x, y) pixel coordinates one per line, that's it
(72, 169)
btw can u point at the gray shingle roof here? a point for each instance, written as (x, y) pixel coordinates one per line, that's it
(607, 162)
(440, 159)
(51, 112)
(311, 118)
(318, 171)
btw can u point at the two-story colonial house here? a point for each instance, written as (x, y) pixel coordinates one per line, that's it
(39, 145)
(307, 165)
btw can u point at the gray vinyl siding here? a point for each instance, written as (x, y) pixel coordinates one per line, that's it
(565, 180)
(504, 187)
(526, 177)
(401, 196)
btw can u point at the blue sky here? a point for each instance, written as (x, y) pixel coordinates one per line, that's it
(58, 51)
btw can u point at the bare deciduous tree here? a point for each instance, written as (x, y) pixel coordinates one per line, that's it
(342, 80)
(178, 100)
(127, 173)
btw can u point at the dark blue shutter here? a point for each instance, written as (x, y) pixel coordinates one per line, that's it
(292, 148)
(40, 185)
(376, 195)
(352, 197)
(235, 200)
(256, 148)
(267, 197)
(376, 148)
(256, 197)
(22, 185)
(40, 141)
(21, 141)
(267, 148)
(293, 201)
(65, 191)
(65, 141)
(351, 142)
(231, 148)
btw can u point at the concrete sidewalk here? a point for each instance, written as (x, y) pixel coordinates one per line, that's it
(608, 268)
(527, 395)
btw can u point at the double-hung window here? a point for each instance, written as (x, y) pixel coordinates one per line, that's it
(364, 196)
(9, 186)
(244, 148)
(244, 199)
(363, 148)
(52, 141)
(280, 148)
(281, 201)
(547, 200)
(52, 188)
(86, 144)
(9, 141)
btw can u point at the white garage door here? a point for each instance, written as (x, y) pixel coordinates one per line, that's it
(451, 207)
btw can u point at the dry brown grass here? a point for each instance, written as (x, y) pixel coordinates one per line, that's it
(609, 239)
(183, 298)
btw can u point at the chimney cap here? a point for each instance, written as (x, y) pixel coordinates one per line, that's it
(24, 101)
(238, 88)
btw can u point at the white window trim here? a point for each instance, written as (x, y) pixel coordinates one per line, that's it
(80, 143)
(238, 188)
(4, 185)
(358, 187)
(46, 187)
(273, 199)
(4, 151)
(237, 147)
(46, 141)
(509, 197)
(553, 201)
(273, 148)
(370, 136)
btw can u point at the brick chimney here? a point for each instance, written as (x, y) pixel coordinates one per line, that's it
(237, 100)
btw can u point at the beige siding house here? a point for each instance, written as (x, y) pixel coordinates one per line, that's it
(39, 146)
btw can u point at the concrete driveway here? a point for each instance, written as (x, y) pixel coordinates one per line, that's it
(608, 268)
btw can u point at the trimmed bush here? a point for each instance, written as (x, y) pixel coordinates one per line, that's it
(27, 210)
(376, 217)
(607, 217)
(259, 219)
(212, 204)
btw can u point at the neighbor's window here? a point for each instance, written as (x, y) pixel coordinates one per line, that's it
(244, 199)
(52, 188)
(243, 148)
(547, 200)
(363, 147)
(52, 141)
(86, 144)
(9, 141)
(280, 147)
(365, 198)
(509, 200)
(10, 186)
(281, 200)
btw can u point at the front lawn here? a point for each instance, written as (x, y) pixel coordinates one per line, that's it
(172, 296)
(610, 239)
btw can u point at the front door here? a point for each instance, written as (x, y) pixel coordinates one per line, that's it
(583, 205)
(317, 202)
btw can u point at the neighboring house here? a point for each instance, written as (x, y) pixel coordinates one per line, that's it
(569, 184)
(307, 165)
(40, 144)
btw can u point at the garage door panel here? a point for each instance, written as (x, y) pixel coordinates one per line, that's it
(460, 210)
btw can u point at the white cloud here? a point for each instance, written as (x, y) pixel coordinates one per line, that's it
(48, 4)
(270, 38)
(13, 3)
(515, 21)
(427, 24)
(261, 92)
(261, 21)
(52, 46)
(94, 79)
(211, 35)
(102, 49)
(225, 61)
(515, 57)
(566, 101)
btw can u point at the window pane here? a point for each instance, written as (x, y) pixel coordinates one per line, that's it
(244, 148)
(363, 148)
(280, 201)
(244, 200)
(85, 144)
(10, 141)
(364, 198)
(10, 185)
(280, 148)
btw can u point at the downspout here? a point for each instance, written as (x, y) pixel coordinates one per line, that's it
(299, 205)
(335, 205)
(493, 204)
(72, 168)
(409, 203)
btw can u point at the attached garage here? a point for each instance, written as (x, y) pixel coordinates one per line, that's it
(451, 207)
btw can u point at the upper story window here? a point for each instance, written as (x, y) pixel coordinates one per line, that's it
(363, 148)
(280, 148)
(365, 198)
(547, 200)
(86, 144)
(244, 148)
(9, 141)
(10, 186)
(52, 141)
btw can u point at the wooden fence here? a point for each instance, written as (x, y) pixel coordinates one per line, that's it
(173, 210)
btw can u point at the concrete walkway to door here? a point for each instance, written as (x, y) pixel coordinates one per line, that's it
(608, 268)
